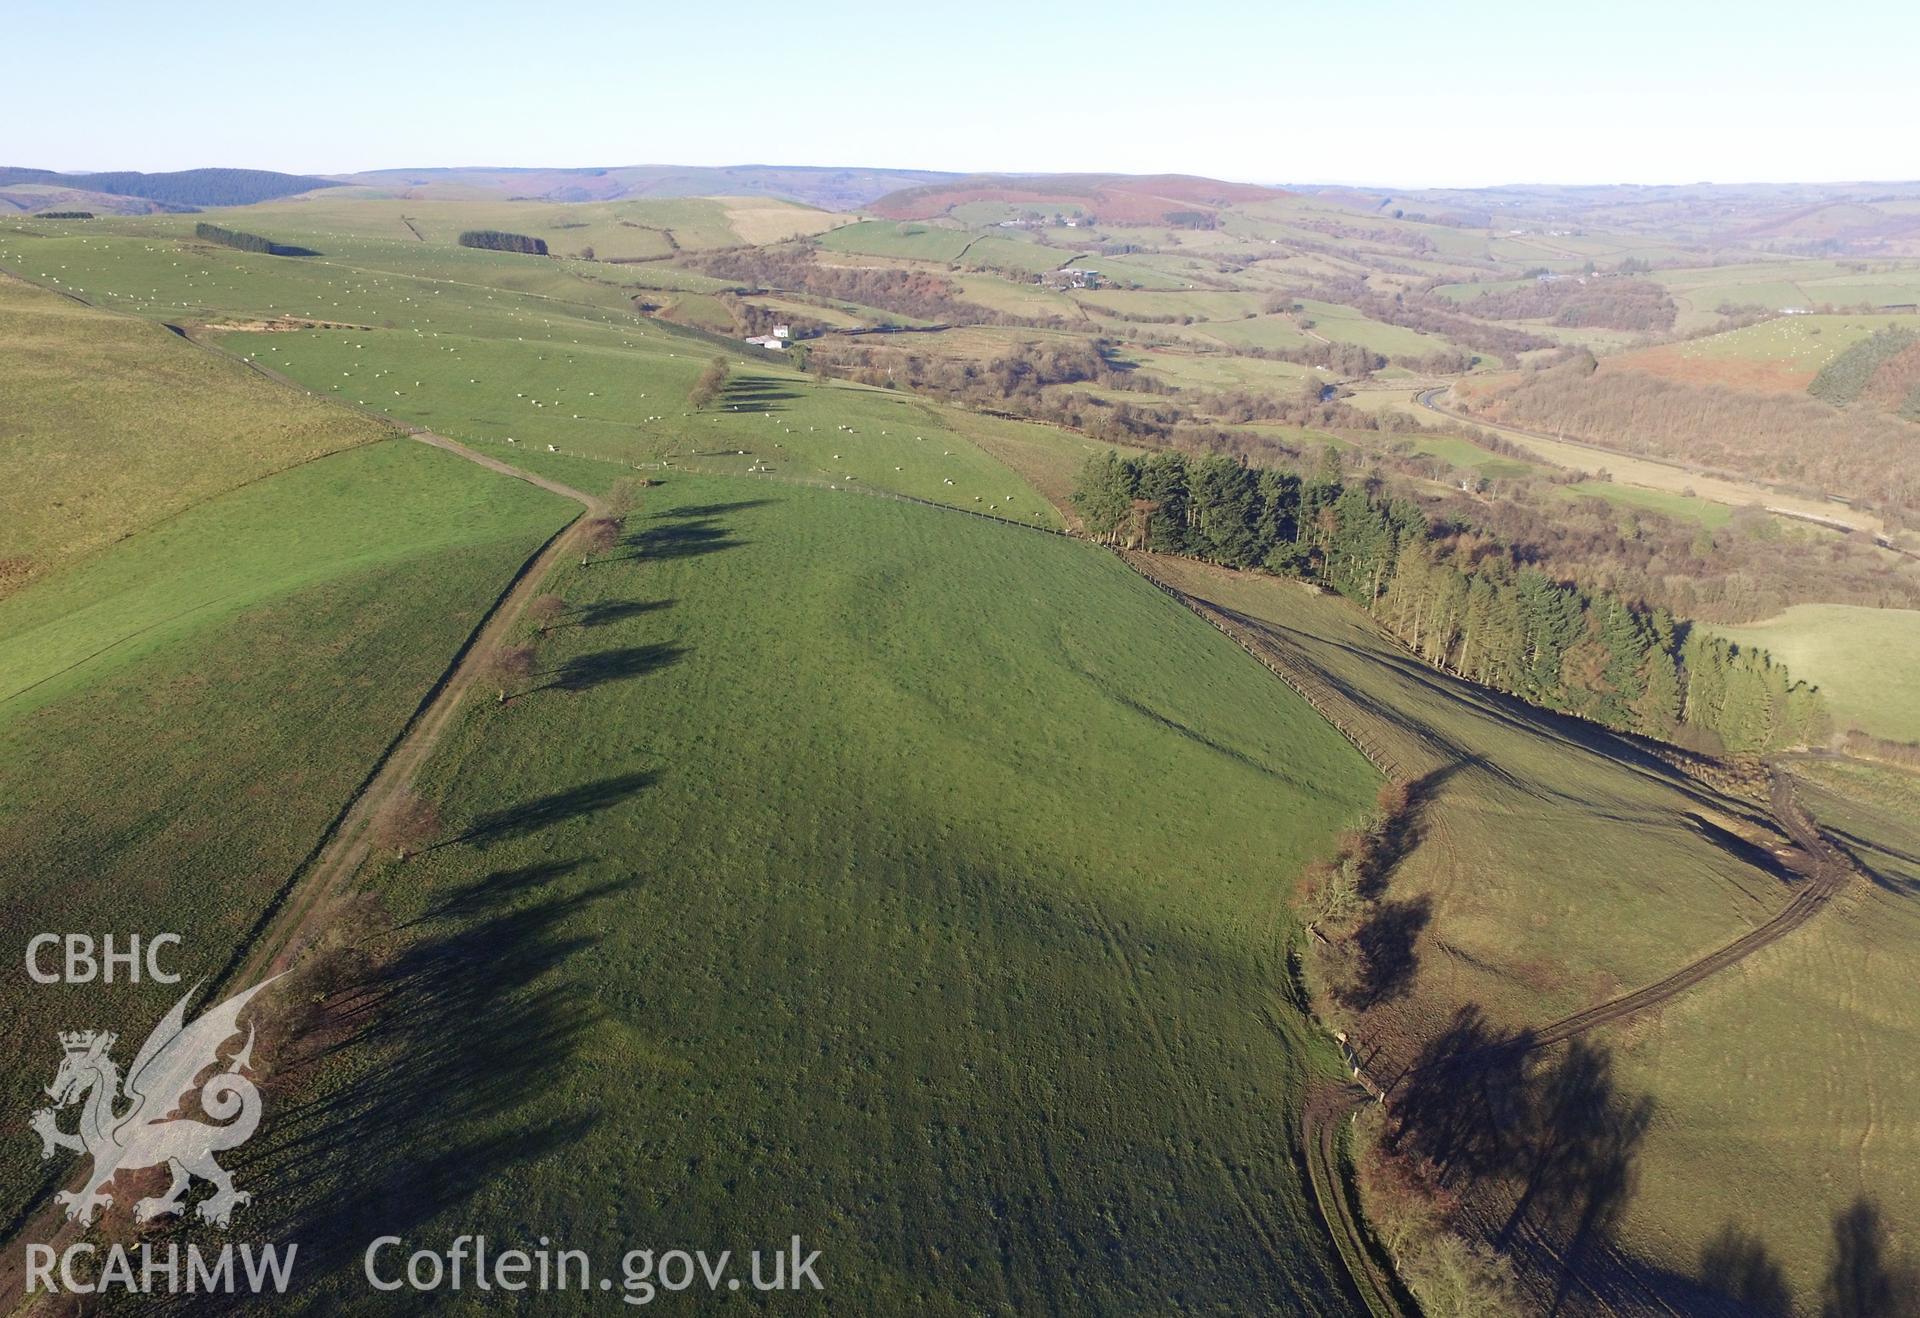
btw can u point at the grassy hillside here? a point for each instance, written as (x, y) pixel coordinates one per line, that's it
(183, 713)
(1775, 356)
(1862, 658)
(490, 346)
(865, 871)
(1553, 869)
(113, 425)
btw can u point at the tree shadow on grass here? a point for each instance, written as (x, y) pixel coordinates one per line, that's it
(583, 672)
(1737, 1265)
(1386, 952)
(600, 615)
(1866, 1279)
(544, 812)
(756, 393)
(705, 511)
(680, 538)
(1558, 1138)
(404, 1085)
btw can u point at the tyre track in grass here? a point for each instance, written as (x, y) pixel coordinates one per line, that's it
(312, 892)
(1329, 1107)
(347, 843)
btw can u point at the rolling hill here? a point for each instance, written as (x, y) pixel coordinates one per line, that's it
(180, 189)
(1115, 198)
(827, 187)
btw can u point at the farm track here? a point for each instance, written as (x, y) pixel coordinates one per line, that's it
(347, 845)
(1831, 871)
(1326, 1108)
(310, 893)
(1329, 1106)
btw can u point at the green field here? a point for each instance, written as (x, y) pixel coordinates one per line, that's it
(956, 949)
(787, 733)
(92, 458)
(1687, 507)
(1864, 659)
(596, 401)
(847, 866)
(522, 348)
(1200, 304)
(1556, 869)
(908, 238)
(183, 712)
(1018, 258)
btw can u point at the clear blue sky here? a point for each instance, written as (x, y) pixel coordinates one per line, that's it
(1382, 91)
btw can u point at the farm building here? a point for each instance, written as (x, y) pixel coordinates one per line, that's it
(770, 342)
(1071, 277)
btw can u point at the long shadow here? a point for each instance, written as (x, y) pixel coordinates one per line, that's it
(1737, 1265)
(1583, 1150)
(600, 615)
(1485, 702)
(1860, 851)
(1404, 831)
(680, 539)
(1457, 1105)
(756, 393)
(544, 812)
(404, 1086)
(583, 672)
(1557, 1138)
(1387, 955)
(700, 512)
(1866, 1279)
(1756, 857)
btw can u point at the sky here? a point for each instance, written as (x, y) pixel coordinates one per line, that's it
(1432, 94)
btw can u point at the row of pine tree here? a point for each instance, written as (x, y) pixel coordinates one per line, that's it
(1459, 601)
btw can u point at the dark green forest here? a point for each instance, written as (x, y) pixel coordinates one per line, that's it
(497, 240)
(181, 188)
(1459, 599)
(246, 242)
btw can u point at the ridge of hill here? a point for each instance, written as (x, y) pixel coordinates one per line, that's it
(177, 189)
(831, 187)
(1117, 198)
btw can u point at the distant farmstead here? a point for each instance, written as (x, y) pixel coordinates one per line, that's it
(1071, 277)
(775, 342)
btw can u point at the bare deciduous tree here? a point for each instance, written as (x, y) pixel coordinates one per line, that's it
(406, 824)
(602, 537)
(511, 665)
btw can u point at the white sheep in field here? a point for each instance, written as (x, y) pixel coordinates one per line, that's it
(552, 449)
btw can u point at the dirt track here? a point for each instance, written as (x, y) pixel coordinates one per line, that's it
(309, 897)
(1329, 1106)
(1830, 874)
(347, 844)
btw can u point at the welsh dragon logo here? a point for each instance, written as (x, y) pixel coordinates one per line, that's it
(137, 1128)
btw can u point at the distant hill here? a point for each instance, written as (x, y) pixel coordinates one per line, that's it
(180, 190)
(828, 187)
(32, 198)
(1114, 198)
